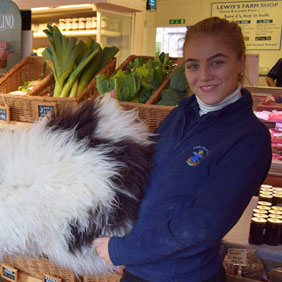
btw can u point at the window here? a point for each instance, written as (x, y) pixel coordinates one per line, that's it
(170, 40)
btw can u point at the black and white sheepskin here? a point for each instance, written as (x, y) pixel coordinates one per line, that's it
(70, 178)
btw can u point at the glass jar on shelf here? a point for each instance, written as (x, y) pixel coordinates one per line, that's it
(68, 24)
(89, 23)
(82, 23)
(62, 24)
(74, 25)
(94, 23)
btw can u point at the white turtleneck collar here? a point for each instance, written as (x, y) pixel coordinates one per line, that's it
(233, 97)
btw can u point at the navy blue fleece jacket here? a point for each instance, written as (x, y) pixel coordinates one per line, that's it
(207, 169)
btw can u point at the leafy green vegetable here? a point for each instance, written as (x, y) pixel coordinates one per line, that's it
(139, 81)
(177, 90)
(73, 64)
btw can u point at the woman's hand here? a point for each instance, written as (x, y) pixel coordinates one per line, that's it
(101, 245)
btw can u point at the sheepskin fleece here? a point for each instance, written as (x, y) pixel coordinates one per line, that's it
(70, 178)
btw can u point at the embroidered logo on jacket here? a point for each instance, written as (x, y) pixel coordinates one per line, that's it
(199, 153)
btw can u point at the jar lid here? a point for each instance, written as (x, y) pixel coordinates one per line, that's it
(259, 211)
(266, 186)
(267, 195)
(274, 220)
(277, 190)
(258, 220)
(263, 208)
(278, 208)
(275, 211)
(265, 189)
(264, 203)
(262, 215)
(279, 216)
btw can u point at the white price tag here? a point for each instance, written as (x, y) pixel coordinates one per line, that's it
(237, 256)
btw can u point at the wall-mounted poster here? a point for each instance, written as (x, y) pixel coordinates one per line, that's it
(260, 21)
(10, 35)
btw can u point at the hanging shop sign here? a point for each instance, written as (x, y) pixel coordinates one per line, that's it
(10, 35)
(260, 21)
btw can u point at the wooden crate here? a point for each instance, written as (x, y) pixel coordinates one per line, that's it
(25, 108)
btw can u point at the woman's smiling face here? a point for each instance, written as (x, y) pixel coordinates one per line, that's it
(212, 68)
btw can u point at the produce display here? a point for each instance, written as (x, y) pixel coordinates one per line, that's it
(28, 85)
(177, 90)
(139, 81)
(73, 64)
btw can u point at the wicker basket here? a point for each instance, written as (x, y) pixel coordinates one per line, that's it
(153, 115)
(27, 69)
(24, 108)
(38, 267)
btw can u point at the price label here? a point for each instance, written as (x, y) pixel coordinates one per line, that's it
(4, 114)
(42, 109)
(9, 273)
(237, 256)
(49, 278)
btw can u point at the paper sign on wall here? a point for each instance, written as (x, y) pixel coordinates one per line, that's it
(260, 21)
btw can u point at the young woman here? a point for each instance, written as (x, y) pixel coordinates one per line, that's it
(212, 154)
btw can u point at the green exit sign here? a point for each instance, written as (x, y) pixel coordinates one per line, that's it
(177, 21)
